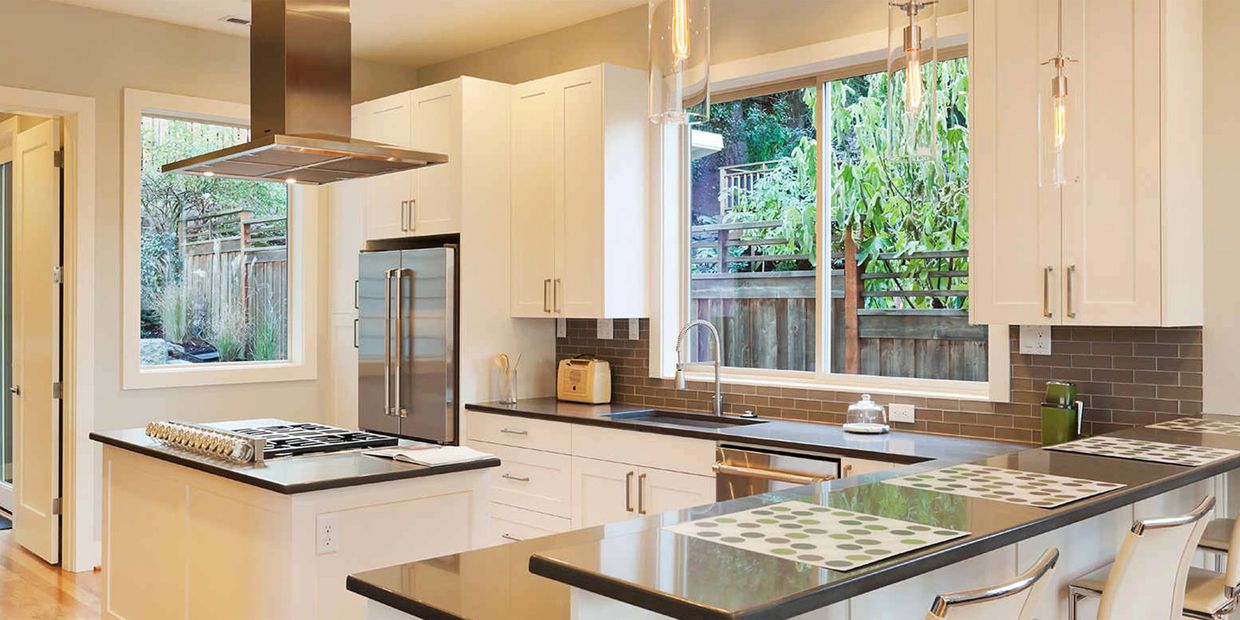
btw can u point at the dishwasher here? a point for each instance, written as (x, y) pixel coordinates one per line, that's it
(741, 471)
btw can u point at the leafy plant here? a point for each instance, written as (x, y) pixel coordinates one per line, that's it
(268, 331)
(228, 333)
(173, 310)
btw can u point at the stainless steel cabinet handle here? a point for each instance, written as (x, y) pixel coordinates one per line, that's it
(387, 342)
(404, 215)
(511, 537)
(515, 478)
(546, 295)
(628, 492)
(413, 214)
(1068, 280)
(1046, 292)
(15, 390)
(401, 317)
(555, 294)
(789, 477)
(354, 333)
(514, 431)
(641, 494)
(848, 470)
(357, 295)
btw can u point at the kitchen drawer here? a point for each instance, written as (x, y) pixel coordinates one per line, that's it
(510, 524)
(519, 432)
(690, 456)
(855, 467)
(530, 479)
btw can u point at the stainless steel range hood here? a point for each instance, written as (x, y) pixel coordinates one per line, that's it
(300, 77)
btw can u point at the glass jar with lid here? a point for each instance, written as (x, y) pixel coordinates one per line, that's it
(866, 416)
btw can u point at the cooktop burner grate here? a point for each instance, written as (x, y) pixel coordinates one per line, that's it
(289, 439)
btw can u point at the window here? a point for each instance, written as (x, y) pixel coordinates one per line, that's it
(877, 286)
(214, 254)
(219, 273)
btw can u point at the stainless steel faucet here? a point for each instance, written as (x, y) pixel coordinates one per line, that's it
(718, 353)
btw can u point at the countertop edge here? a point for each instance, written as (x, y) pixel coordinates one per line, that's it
(291, 489)
(842, 590)
(396, 601)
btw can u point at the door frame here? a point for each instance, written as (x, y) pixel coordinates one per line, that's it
(7, 133)
(80, 476)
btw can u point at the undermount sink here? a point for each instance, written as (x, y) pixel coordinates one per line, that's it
(676, 418)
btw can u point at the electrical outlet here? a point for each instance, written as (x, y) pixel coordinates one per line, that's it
(902, 413)
(329, 534)
(1035, 339)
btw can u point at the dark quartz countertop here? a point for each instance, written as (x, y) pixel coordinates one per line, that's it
(287, 474)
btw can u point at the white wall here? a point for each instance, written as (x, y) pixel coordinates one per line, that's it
(1222, 211)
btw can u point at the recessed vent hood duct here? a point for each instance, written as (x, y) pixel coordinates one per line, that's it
(300, 77)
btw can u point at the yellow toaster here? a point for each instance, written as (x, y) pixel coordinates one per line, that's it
(584, 380)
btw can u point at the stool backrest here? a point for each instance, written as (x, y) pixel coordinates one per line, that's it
(1017, 599)
(1231, 574)
(1149, 574)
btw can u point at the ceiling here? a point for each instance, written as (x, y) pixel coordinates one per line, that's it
(408, 32)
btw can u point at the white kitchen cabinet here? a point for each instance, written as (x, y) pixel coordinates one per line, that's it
(1120, 242)
(344, 370)
(509, 524)
(388, 120)
(665, 491)
(603, 492)
(579, 195)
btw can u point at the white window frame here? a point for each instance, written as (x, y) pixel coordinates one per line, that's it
(303, 231)
(670, 223)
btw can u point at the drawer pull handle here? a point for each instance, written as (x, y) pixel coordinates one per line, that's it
(514, 431)
(511, 537)
(516, 478)
(628, 492)
(641, 494)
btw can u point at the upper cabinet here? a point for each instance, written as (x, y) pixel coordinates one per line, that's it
(579, 195)
(418, 202)
(1119, 242)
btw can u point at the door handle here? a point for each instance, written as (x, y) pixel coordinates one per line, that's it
(641, 494)
(401, 317)
(515, 478)
(15, 390)
(413, 214)
(546, 295)
(404, 215)
(387, 342)
(773, 475)
(357, 295)
(1068, 281)
(511, 537)
(555, 294)
(514, 431)
(1046, 292)
(355, 333)
(628, 492)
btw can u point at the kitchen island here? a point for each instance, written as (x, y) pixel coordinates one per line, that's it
(639, 568)
(271, 540)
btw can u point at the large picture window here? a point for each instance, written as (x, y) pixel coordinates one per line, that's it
(858, 269)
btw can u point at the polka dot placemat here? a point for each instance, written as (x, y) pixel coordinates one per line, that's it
(1005, 485)
(1198, 425)
(825, 537)
(1140, 450)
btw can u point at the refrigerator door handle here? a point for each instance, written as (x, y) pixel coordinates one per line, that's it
(387, 342)
(401, 317)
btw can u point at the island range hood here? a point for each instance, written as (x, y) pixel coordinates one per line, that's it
(300, 78)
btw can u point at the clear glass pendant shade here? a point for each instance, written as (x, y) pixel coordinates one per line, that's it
(912, 78)
(679, 61)
(1053, 126)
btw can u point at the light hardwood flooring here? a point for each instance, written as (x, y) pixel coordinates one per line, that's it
(32, 590)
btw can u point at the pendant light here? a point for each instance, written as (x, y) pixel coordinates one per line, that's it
(1055, 134)
(679, 61)
(912, 78)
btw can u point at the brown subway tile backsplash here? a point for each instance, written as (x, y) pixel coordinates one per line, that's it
(1126, 376)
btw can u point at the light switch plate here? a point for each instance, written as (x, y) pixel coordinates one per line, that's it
(902, 413)
(561, 328)
(635, 329)
(1035, 339)
(606, 329)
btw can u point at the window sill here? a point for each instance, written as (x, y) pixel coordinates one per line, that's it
(889, 386)
(232, 373)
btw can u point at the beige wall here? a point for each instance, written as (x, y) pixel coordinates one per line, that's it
(66, 49)
(740, 29)
(1222, 215)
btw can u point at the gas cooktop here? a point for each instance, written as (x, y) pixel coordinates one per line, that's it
(303, 438)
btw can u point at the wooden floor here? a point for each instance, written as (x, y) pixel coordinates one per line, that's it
(32, 590)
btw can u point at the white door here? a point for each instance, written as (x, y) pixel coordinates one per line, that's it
(533, 199)
(1014, 260)
(664, 491)
(388, 121)
(603, 492)
(578, 290)
(436, 208)
(1112, 207)
(36, 340)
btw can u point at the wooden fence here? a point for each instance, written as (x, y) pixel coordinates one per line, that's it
(767, 319)
(233, 260)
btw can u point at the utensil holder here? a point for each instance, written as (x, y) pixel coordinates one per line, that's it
(508, 386)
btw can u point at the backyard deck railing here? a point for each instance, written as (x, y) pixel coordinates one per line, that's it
(736, 180)
(907, 318)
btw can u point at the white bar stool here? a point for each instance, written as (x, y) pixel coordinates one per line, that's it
(1213, 595)
(1148, 577)
(1016, 600)
(1217, 540)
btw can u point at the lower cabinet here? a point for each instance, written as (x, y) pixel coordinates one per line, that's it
(855, 467)
(604, 491)
(511, 524)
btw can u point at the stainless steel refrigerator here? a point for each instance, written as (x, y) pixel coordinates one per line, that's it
(407, 332)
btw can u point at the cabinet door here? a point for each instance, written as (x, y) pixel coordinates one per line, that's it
(390, 121)
(533, 199)
(663, 491)
(1014, 259)
(578, 289)
(344, 370)
(435, 209)
(603, 492)
(346, 239)
(1112, 216)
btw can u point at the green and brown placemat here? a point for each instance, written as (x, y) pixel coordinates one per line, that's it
(1005, 485)
(1198, 425)
(818, 535)
(1141, 450)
